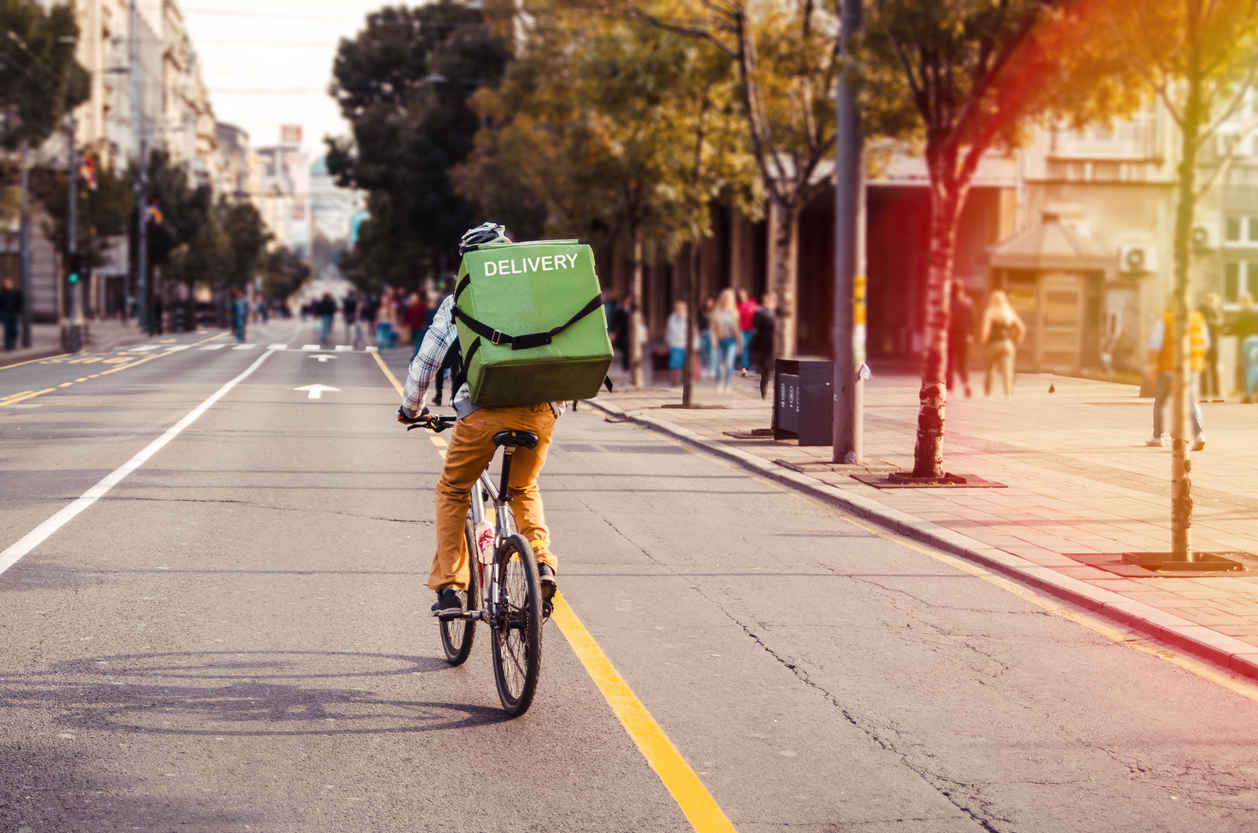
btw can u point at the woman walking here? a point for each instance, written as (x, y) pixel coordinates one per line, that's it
(727, 335)
(1003, 330)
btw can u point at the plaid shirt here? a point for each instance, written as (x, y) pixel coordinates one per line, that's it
(442, 334)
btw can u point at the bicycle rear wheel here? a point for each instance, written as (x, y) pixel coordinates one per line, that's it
(517, 627)
(457, 634)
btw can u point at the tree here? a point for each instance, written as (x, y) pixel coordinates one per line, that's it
(608, 113)
(247, 237)
(1200, 57)
(975, 74)
(283, 273)
(787, 56)
(40, 80)
(403, 84)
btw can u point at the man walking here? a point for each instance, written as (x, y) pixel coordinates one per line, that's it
(1162, 368)
(10, 311)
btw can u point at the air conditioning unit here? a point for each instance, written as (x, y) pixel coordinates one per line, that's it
(1204, 236)
(1137, 260)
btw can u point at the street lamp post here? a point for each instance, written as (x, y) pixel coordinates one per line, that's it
(141, 179)
(849, 279)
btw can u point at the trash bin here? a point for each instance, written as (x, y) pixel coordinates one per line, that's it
(803, 401)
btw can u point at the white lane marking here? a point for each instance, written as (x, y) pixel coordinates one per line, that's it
(42, 532)
(277, 347)
(310, 347)
(317, 390)
(244, 346)
(344, 348)
(214, 347)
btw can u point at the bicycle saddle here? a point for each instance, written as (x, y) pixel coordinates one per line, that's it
(515, 438)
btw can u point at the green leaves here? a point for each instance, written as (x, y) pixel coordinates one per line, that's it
(39, 77)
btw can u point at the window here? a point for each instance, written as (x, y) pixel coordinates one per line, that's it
(1241, 231)
(1239, 277)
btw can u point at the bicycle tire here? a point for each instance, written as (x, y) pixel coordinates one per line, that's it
(457, 635)
(517, 626)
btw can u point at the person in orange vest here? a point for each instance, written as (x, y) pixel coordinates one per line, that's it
(1161, 366)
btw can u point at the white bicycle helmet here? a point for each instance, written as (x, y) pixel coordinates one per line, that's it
(482, 234)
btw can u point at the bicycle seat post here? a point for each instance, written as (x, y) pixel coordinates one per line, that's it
(507, 451)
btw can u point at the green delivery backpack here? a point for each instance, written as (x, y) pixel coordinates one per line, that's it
(531, 323)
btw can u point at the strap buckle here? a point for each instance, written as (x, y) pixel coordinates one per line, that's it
(496, 338)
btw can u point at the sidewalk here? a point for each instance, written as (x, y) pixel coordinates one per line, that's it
(102, 336)
(1079, 481)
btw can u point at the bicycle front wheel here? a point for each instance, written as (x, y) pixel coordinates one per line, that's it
(517, 626)
(457, 634)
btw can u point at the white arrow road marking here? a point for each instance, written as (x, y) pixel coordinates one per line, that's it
(322, 358)
(316, 391)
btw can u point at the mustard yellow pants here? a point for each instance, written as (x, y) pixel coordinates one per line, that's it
(470, 450)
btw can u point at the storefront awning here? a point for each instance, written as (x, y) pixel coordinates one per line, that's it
(1051, 246)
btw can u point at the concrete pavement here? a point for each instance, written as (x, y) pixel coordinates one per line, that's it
(1080, 489)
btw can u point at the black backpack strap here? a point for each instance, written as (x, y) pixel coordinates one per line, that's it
(461, 376)
(523, 342)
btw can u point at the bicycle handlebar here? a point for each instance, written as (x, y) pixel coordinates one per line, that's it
(436, 423)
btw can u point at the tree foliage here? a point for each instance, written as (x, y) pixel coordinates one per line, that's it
(40, 80)
(613, 131)
(403, 84)
(786, 53)
(101, 214)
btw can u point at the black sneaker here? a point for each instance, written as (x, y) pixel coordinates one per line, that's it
(448, 604)
(546, 574)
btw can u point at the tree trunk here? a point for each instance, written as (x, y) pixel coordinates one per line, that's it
(692, 326)
(946, 200)
(1182, 389)
(784, 238)
(635, 317)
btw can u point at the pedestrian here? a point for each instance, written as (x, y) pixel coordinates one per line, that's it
(707, 360)
(676, 335)
(746, 312)
(1162, 369)
(325, 309)
(1003, 331)
(960, 334)
(761, 346)
(11, 303)
(1244, 327)
(415, 314)
(349, 309)
(624, 319)
(240, 314)
(1211, 310)
(726, 333)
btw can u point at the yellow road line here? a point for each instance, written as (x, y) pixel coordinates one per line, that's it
(31, 395)
(40, 359)
(388, 374)
(692, 797)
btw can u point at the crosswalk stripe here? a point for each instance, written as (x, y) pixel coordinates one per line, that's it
(277, 347)
(244, 346)
(310, 347)
(174, 348)
(344, 348)
(214, 347)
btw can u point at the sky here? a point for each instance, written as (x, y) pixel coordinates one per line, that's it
(267, 63)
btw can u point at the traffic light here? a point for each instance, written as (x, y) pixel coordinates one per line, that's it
(74, 267)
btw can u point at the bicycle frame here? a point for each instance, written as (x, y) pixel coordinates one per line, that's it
(504, 526)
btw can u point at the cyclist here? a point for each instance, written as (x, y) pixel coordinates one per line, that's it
(470, 451)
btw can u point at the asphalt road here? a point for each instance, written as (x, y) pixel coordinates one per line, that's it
(236, 637)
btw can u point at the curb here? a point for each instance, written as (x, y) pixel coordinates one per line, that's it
(1198, 640)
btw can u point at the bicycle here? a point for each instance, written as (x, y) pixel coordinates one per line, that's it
(502, 564)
